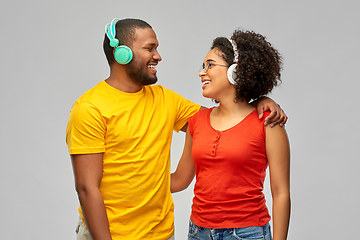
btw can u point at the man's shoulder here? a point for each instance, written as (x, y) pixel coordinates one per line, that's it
(93, 92)
(158, 88)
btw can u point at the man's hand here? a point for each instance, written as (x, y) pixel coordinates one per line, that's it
(277, 115)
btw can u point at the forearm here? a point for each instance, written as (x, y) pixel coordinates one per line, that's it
(178, 184)
(185, 170)
(94, 212)
(174, 186)
(281, 215)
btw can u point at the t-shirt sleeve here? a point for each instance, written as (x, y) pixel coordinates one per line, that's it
(185, 109)
(192, 121)
(86, 128)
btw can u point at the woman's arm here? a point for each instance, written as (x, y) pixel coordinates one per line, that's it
(185, 170)
(278, 154)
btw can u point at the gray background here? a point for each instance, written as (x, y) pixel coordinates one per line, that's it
(51, 52)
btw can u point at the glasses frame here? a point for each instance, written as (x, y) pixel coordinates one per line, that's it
(205, 66)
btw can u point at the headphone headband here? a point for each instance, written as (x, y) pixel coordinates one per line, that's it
(231, 70)
(235, 50)
(122, 53)
(111, 32)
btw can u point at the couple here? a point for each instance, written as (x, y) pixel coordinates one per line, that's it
(119, 135)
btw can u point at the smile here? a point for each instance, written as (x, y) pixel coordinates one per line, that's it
(206, 82)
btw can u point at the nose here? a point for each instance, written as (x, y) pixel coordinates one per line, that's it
(202, 73)
(157, 56)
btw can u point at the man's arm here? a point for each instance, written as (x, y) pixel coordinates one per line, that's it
(277, 115)
(88, 173)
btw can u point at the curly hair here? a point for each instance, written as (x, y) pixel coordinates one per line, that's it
(258, 65)
(225, 48)
(125, 33)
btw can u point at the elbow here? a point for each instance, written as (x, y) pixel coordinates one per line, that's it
(175, 189)
(285, 193)
(84, 190)
(174, 184)
(282, 197)
(81, 191)
(281, 194)
(177, 185)
(280, 190)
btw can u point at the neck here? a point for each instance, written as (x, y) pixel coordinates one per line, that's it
(120, 80)
(229, 114)
(230, 108)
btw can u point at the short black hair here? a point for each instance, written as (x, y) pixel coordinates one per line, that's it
(258, 66)
(125, 33)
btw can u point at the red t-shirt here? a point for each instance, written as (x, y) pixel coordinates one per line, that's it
(230, 172)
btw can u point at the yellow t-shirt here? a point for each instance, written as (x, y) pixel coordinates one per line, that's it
(134, 132)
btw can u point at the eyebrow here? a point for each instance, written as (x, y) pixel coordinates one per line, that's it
(210, 60)
(151, 44)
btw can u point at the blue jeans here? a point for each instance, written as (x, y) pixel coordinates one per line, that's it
(247, 233)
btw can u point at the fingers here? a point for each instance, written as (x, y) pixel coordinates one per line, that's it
(277, 116)
(284, 117)
(260, 112)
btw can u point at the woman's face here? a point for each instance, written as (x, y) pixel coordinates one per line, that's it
(214, 77)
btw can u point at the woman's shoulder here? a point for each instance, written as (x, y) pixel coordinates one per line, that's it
(203, 112)
(200, 116)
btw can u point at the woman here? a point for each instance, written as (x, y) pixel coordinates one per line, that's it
(229, 148)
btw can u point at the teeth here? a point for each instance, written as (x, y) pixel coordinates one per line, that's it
(152, 66)
(206, 82)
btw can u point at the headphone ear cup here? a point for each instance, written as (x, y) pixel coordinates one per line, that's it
(123, 54)
(231, 74)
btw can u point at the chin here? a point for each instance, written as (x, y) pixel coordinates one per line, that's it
(149, 81)
(206, 95)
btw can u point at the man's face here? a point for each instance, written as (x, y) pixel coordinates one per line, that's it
(142, 68)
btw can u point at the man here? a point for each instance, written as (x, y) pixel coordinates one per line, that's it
(119, 135)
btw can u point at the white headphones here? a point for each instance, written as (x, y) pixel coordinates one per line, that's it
(231, 70)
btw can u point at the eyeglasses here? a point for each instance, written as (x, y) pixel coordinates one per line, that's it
(209, 64)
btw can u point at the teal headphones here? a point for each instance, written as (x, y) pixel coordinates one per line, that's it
(122, 54)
